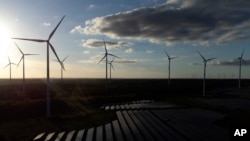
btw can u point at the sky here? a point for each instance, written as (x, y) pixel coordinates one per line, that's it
(139, 32)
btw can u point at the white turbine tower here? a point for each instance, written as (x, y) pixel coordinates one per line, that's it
(106, 56)
(241, 59)
(62, 66)
(10, 63)
(169, 61)
(205, 65)
(49, 45)
(111, 66)
(23, 58)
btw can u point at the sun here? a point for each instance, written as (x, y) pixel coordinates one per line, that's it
(5, 40)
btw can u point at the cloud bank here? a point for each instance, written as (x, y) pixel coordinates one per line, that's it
(95, 43)
(234, 62)
(202, 22)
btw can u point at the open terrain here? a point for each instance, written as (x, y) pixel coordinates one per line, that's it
(75, 103)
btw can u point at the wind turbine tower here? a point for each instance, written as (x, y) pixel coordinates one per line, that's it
(10, 63)
(169, 61)
(106, 56)
(49, 45)
(62, 66)
(241, 59)
(111, 66)
(23, 58)
(205, 65)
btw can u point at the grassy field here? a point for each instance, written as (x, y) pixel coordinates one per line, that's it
(75, 102)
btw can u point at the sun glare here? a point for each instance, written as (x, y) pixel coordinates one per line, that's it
(5, 40)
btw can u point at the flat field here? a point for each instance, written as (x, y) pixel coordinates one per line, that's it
(75, 103)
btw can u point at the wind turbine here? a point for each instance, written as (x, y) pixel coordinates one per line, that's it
(49, 45)
(205, 65)
(62, 66)
(106, 56)
(10, 63)
(241, 59)
(23, 58)
(169, 61)
(111, 66)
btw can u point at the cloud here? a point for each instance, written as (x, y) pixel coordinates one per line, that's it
(149, 51)
(86, 52)
(194, 64)
(129, 50)
(234, 62)
(91, 6)
(95, 43)
(46, 24)
(77, 29)
(200, 22)
(125, 61)
(87, 61)
(92, 60)
(96, 58)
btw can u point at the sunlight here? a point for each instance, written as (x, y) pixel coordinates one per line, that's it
(5, 40)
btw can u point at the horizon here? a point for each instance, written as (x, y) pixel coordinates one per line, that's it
(140, 43)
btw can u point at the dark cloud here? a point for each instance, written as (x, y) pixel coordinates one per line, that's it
(125, 61)
(234, 62)
(121, 61)
(189, 21)
(94, 43)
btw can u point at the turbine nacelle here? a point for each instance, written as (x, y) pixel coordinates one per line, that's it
(10, 63)
(61, 62)
(211, 59)
(23, 54)
(106, 53)
(111, 63)
(205, 64)
(204, 59)
(169, 58)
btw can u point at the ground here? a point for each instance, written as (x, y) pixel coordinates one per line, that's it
(75, 103)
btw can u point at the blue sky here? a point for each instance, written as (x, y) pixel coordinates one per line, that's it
(138, 31)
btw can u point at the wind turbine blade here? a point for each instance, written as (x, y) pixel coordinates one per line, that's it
(174, 57)
(167, 54)
(242, 53)
(62, 65)
(211, 59)
(9, 60)
(34, 40)
(112, 60)
(31, 54)
(112, 66)
(18, 48)
(105, 46)
(20, 61)
(6, 66)
(52, 33)
(113, 55)
(55, 60)
(65, 58)
(53, 49)
(102, 59)
(202, 56)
